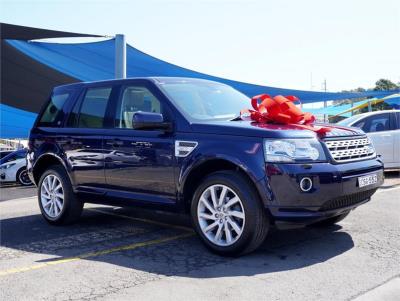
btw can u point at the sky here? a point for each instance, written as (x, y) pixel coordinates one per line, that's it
(288, 44)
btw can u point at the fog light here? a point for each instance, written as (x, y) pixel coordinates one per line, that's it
(306, 184)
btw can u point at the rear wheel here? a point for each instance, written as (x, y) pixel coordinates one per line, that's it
(57, 201)
(228, 215)
(23, 178)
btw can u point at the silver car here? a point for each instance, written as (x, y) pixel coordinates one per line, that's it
(383, 128)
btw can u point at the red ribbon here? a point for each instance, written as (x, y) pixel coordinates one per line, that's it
(282, 110)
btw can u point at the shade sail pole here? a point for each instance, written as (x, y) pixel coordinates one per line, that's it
(120, 56)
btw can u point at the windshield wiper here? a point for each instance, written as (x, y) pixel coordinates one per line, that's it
(237, 118)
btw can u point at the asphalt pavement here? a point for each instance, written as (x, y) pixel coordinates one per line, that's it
(129, 254)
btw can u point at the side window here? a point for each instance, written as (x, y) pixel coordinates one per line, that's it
(360, 124)
(52, 115)
(377, 123)
(134, 99)
(93, 108)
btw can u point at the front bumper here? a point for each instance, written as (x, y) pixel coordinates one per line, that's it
(335, 190)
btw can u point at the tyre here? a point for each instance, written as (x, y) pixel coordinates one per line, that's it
(228, 215)
(332, 220)
(57, 201)
(23, 178)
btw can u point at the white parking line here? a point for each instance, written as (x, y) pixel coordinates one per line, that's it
(23, 198)
(388, 189)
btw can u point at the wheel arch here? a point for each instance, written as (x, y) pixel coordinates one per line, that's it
(194, 175)
(43, 162)
(19, 170)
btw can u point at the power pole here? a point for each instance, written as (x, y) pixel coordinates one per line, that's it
(120, 56)
(311, 83)
(325, 102)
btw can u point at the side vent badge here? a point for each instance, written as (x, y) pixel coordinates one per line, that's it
(184, 148)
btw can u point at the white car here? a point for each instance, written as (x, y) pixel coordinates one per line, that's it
(13, 168)
(383, 128)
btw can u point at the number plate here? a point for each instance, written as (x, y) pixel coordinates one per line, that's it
(367, 180)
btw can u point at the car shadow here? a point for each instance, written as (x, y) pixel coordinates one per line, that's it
(107, 228)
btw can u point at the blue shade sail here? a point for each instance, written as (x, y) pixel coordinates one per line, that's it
(95, 61)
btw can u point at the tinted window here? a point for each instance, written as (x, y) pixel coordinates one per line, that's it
(375, 123)
(14, 156)
(4, 153)
(360, 124)
(93, 108)
(348, 121)
(52, 115)
(135, 99)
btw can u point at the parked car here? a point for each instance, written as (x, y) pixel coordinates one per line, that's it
(178, 144)
(383, 128)
(13, 168)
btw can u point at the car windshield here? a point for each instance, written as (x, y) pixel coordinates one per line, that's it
(205, 100)
(348, 121)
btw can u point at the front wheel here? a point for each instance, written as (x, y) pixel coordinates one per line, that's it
(57, 201)
(228, 215)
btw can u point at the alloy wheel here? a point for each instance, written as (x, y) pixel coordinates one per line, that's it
(221, 215)
(52, 196)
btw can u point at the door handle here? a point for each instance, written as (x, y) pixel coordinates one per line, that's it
(115, 142)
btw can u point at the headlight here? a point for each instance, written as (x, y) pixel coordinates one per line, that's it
(293, 150)
(7, 166)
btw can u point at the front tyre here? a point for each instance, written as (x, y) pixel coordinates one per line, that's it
(228, 215)
(57, 201)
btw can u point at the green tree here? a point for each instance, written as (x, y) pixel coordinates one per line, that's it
(385, 84)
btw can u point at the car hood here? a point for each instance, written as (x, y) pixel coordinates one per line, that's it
(264, 130)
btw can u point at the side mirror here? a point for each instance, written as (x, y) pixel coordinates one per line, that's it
(149, 121)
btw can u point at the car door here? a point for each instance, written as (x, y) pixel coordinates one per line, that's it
(139, 164)
(82, 138)
(379, 127)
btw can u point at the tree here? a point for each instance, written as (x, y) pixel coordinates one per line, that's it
(385, 84)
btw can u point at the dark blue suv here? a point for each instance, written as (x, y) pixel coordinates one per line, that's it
(178, 144)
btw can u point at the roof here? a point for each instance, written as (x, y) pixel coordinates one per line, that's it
(376, 113)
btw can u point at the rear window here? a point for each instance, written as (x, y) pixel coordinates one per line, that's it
(53, 114)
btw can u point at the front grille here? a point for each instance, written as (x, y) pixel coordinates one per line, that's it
(345, 150)
(347, 200)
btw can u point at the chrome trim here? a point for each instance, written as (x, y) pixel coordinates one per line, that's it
(184, 148)
(349, 150)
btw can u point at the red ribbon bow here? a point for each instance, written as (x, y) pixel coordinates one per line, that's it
(282, 110)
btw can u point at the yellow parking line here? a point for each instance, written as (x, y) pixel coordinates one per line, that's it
(142, 220)
(94, 254)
